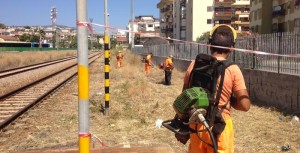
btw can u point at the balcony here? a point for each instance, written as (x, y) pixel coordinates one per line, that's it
(241, 12)
(278, 11)
(240, 22)
(223, 14)
(170, 29)
(223, 2)
(169, 19)
(216, 22)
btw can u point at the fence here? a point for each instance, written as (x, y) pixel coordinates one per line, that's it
(20, 49)
(278, 43)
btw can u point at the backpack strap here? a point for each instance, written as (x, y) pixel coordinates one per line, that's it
(221, 70)
(224, 65)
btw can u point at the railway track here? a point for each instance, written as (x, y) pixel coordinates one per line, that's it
(14, 71)
(17, 102)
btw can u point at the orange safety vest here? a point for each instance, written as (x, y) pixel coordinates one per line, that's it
(119, 56)
(169, 64)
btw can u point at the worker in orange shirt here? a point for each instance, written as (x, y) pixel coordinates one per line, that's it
(148, 63)
(168, 68)
(119, 57)
(233, 83)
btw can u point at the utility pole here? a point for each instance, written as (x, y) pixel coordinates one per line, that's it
(54, 25)
(132, 24)
(92, 35)
(83, 78)
(106, 60)
(57, 37)
(40, 39)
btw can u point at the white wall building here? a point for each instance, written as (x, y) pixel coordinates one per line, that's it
(147, 25)
(192, 18)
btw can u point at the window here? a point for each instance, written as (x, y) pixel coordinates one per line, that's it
(259, 13)
(209, 8)
(254, 15)
(150, 25)
(209, 21)
(297, 22)
(297, 4)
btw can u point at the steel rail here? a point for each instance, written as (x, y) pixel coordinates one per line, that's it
(27, 107)
(35, 82)
(17, 70)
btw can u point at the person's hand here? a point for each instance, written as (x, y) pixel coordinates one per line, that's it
(182, 138)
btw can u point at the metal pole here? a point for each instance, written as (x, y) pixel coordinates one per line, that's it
(83, 78)
(40, 44)
(106, 60)
(56, 38)
(254, 55)
(91, 37)
(279, 51)
(132, 23)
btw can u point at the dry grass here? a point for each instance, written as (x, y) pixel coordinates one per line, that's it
(10, 60)
(137, 101)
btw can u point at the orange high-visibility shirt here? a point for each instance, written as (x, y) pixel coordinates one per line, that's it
(169, 64)
(148, 59)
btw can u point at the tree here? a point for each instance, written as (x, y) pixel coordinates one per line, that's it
(137, 39)
(113, 43)
(42, 33)
(203, 37)
(73, 42)
(29, 38)
(27, 27)
(2, 26)
(25, 37)
(34, 38)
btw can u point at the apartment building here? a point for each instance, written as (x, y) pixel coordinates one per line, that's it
(232, 12)
(261, 16)
(179, 25)
(148, 26)
(192, 18)
(269, 16)
(120, 36)
(166, 17)
(198, 18)
(240, 17)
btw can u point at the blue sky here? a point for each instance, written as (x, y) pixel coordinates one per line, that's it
(37, 12)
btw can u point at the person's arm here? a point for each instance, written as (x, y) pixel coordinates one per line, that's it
(241, 101)
(187, 76)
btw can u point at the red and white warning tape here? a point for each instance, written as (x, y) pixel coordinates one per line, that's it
(85, 24)
(236, 49)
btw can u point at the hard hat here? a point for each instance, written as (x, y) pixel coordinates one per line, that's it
(171, 56)
(220, 25)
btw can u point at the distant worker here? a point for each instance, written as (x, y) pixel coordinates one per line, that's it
(148, 63)
(119, 57)
(168, 68)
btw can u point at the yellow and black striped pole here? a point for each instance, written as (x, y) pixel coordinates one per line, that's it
(106, 73)
(106, 60)
(83, 79)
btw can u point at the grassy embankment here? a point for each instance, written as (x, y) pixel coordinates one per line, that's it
(10, 60)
